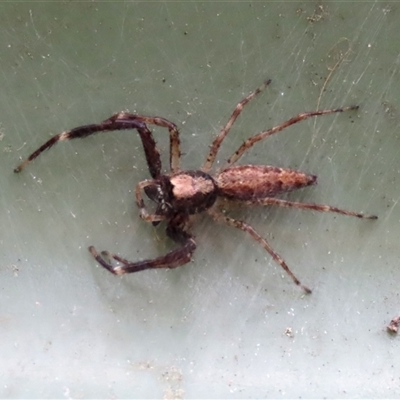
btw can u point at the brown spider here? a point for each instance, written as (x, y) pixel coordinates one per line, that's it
(179, 195)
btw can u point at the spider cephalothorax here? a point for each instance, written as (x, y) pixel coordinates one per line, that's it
(187, 192)
(180, 194)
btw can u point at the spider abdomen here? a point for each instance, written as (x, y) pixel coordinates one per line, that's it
(246, 182)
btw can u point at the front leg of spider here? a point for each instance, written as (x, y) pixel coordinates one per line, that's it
(119, 122)
(175, 258)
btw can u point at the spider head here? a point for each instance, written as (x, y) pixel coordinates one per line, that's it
(156, 192)
(186, 192)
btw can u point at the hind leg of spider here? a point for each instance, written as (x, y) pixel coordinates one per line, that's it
(173, 259)
(219, 216)
(307, 206)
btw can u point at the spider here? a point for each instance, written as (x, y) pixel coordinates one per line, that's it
(179, 195)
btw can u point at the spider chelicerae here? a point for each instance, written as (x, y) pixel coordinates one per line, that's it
(179, 195)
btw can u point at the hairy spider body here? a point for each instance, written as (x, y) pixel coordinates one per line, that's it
(188, 192)
(192, 192)
(249, 182)
(179, 195)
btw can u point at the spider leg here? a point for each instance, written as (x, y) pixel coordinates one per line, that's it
(262, 135)
(216, 144)
(114, 123)
(173, 259)
(219, 216)
(122, 121)
(174, 144)
(308, 206)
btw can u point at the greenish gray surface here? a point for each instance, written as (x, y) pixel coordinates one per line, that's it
(230, 324)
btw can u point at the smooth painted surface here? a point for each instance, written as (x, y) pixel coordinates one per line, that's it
(230, 324)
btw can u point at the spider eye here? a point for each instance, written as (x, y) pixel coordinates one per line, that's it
(153, 192)
(156, 193)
